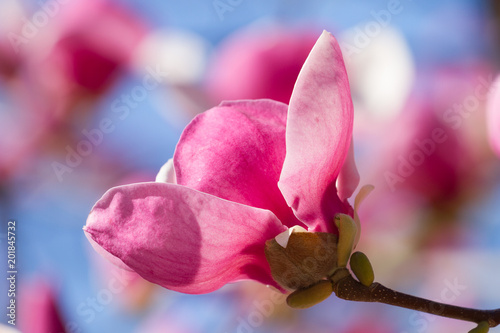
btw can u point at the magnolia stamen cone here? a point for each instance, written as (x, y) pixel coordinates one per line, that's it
(362, 268)
(482, 327)
(308, 257)
(347, 236)
(307, 297)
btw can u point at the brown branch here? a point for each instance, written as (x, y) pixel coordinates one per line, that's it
(346, 287)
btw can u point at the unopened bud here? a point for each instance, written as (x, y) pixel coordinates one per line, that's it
(482, 327)
(307, 258)
(362, 268)
(307, 297)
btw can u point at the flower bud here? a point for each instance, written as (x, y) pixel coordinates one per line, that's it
(307, 297)
(306, 259)
(362, 268)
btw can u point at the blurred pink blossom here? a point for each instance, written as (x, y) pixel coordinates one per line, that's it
(259, 62)
(372, 325)
(431, 159)
(38, 309)
(87, 44)
(56, 75)
(493, 119)
(432, 149)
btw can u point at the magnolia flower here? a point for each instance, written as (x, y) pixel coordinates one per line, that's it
(38, 310)
(68, 63)
(267, 55)
(10, 60)
(242, 173)
(86, 47)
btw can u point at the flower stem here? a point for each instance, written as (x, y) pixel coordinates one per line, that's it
(346, 287)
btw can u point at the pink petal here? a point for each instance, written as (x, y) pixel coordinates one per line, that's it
(235, 151)
(348, 177)
(318, 135)
(106, 255)
(183, 239)
(494, 115)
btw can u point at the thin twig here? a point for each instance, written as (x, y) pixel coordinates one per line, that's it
(349, 289)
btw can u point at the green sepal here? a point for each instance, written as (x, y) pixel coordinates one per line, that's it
(307, 297)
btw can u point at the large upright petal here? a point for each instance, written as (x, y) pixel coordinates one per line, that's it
(318, 135)
(235, 151)
(183, 239)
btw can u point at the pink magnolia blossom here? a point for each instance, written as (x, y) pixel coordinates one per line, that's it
(242, 173)
(39, 312)
(69, 63)
(10, 13)
(73, 61)
(432, 149)
(268, 57)
(94, 41)
(431, 152)
(424, 163)
(494, 116)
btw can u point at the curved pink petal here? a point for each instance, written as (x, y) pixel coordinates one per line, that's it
(183, 239)
(318, 135)
(106, 255)
(235, 151)
(494, 115)
(348, 177)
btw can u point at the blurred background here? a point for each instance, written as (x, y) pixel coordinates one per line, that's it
(95, 94)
